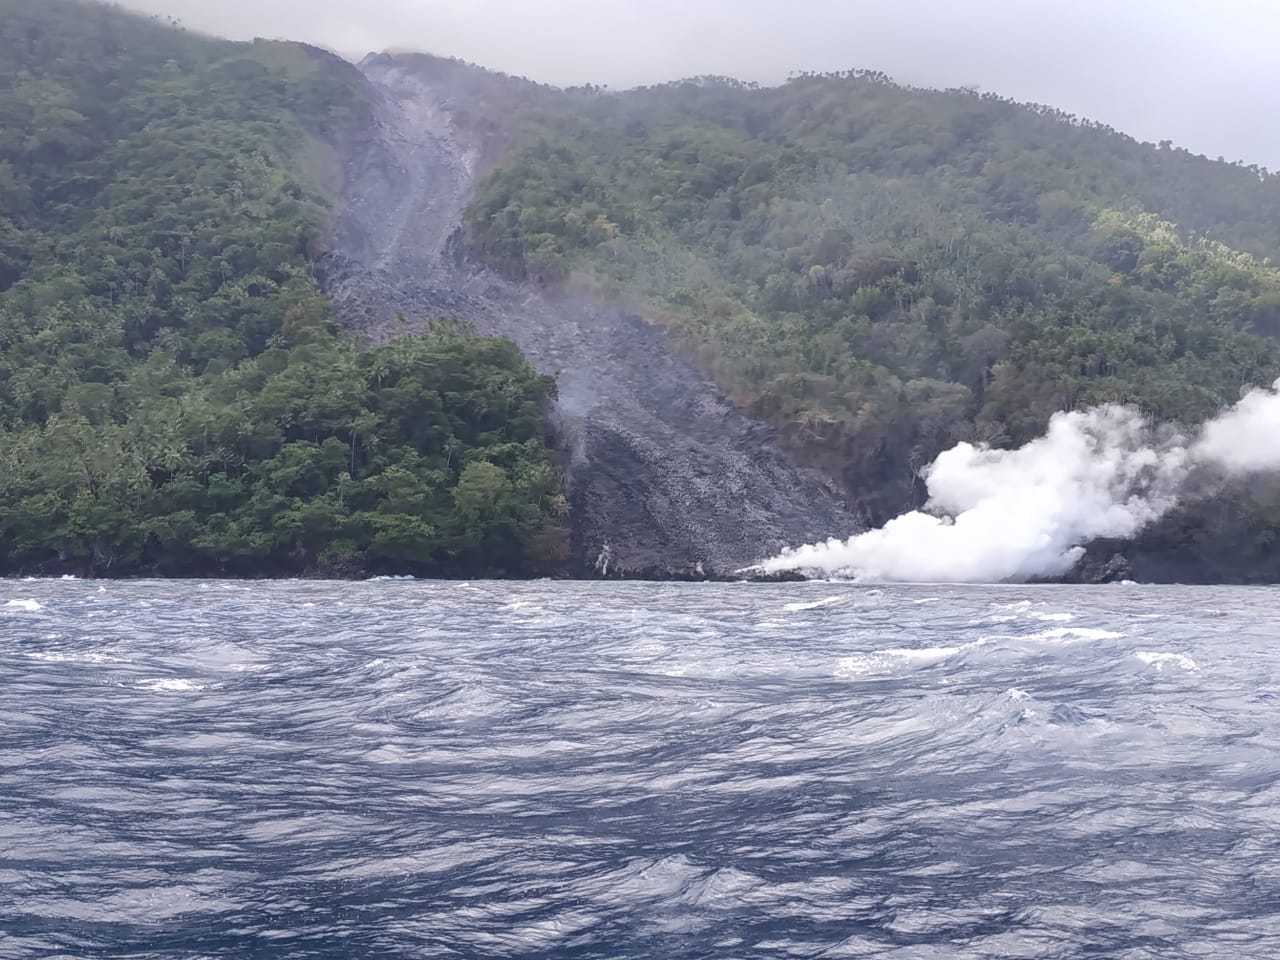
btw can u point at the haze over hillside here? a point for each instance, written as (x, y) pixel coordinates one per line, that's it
(1200, 74)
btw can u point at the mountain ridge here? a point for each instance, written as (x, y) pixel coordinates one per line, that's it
(768, 308)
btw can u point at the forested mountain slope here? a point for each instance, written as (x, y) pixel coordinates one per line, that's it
(872, 271)
(882, 271)
(175, 396)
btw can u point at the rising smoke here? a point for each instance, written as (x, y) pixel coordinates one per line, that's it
(996, 515)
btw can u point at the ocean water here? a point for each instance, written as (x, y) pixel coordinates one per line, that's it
(552, 770)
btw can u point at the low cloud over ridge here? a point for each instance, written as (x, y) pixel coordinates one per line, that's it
(1202, 75)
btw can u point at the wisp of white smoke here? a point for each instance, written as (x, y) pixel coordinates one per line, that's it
(1246, 438)
(996, 515)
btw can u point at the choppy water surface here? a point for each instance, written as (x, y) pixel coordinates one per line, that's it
(569, 770)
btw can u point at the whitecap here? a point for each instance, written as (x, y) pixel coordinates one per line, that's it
(1156, 659)
(923, 655)
(812, 604)
(168, 685)
(727, 886)
(889, 660)
(857, 666)
(31, 606)
(1075, 633)
(54, 656)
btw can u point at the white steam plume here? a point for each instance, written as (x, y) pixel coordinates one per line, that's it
(997, 515)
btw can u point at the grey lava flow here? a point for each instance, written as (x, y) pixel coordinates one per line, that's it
(666, 477)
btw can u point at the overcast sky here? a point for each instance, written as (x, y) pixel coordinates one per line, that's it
(1203, 73)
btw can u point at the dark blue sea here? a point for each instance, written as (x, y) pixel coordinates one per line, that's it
(567, 770)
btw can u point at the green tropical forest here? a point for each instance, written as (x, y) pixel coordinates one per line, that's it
(175, 395)
(881, 271)
(876, 271)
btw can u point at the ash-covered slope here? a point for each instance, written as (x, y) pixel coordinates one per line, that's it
(666, 478)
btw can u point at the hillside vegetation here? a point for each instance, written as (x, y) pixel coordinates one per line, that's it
(174, 394)
(883, 271)
(877, 271)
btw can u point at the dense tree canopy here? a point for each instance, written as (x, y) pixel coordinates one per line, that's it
(883, 271)
(174, 395)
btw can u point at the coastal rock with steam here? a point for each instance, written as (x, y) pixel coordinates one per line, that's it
(1099, 475)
